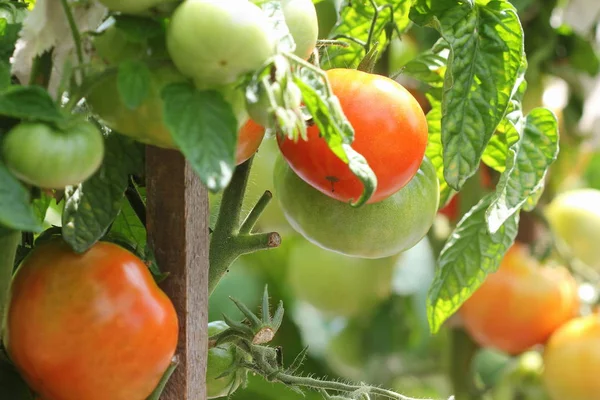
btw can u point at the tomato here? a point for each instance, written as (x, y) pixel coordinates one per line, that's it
(301, 19)
(337, 284)
(391, 136)
(371, 231)
(345, 353)
(521, 304)
(53, 158)
(215, 42)
(327, 16)
(249, 139)
(221, 359)
(575, 218)
(572, 360)
(132, 6)
(89, 326)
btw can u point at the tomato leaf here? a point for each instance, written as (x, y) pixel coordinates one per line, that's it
(128, 226)
(367, 22)
(91, 207)
(335, 129)
(138, 29)
(40, 206)
(434, 149)
(30, 103)
(133, 82)
(486, 51)
(526, 167)
(429, 66)
(16, 211)
(467, 257)
(204, 127)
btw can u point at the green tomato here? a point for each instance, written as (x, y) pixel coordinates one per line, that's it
(575, 218)
(375, 230)
(327, 15)
(345, 353)
(215, 42)
(301, 19)
(133, 6)
(50, 158)
(338, 285)
(145, 123)
(220, 360)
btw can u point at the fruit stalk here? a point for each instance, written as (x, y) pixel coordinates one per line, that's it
(8, 249)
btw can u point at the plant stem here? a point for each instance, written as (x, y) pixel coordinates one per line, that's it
(8, 249)
(462, 351)
(134, 198)
(155, 395)
(229, 241)
(253, 216)
(41, 70)
(75, 33)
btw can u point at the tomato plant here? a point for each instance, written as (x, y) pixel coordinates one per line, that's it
(495, 314)
(573, 345)
(89, 316)
(372, 231)
(391, 137)
(220, 360)
(53, 158)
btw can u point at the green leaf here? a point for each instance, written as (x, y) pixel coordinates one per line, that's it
(40, 206)
(367, 24)
(434, 148)
(429, 66)
(425, 12)
(138, 29)
(526, 167)
(334, 128)
(468, 257)
(133, 82)
(486, 45)
(5, 75)
(204, 127)
(91, 207)
(128, 226)
(10, 26)
(16, 211)
(30, 103)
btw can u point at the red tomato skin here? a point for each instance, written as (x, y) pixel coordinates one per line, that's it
(521, 304)
(250, 137)
(93, 326)
(390, 132)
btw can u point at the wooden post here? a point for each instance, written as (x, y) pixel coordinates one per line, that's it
(177, 208)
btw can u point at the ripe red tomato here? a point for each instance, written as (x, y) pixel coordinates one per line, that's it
(390, 132)
(521, 304)
(572, 360)
(250, 137)
(91, 326)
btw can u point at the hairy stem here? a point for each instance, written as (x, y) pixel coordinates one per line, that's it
(462, 351)
(155, 395)
(253, 216)
(75, 33)
(8, 248)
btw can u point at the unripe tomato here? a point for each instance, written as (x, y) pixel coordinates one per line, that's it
(249, 140)
(390, 132)
(301, 19)
(133, 6)
(521, 304)
(575, 217)
(220, 360)
(338, 285)
(572, 360)
(91, 326)
(215, 42)
(51, 158)
(370, 231)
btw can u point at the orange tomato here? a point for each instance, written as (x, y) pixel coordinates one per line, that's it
(390, 132)
(521, 304)
(93, 326)
(249, 139)
(572, 360)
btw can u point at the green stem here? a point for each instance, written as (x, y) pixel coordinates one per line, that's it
(75, 33)
(136, 202)
(41, 70)
(8, 249)
(155, 395)
(462, 351)
(253, 216)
